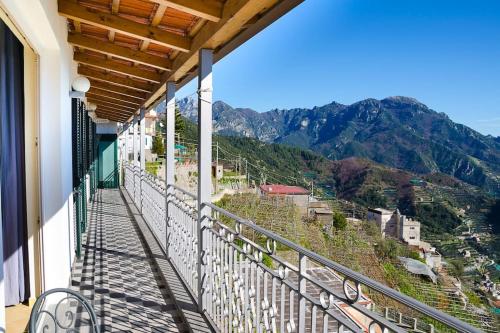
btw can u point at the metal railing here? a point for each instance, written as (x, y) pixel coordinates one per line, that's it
(182, 237)
(256, 281)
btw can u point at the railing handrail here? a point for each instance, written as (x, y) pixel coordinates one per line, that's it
(440, 316)
(177, 188)
(349, 274)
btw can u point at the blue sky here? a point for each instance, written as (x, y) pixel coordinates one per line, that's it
(444, 53)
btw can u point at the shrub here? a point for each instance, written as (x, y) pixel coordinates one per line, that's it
(158, 147)
(387, 248)
(339, 221)
(456, 268)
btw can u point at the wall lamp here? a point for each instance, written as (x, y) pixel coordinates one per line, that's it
(79, 87)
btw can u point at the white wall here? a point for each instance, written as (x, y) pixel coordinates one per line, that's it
(46, 31)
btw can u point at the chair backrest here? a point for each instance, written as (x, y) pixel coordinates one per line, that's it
(62, 310)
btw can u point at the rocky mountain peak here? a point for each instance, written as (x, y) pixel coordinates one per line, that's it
(397, 131)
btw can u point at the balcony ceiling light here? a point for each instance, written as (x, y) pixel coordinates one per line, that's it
(81, 84)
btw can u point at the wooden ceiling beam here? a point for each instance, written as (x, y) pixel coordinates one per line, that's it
(111, 34)
(121, 112)
(114, 6)
(110, 106)
(235, 14)
(118, 97)
(207, 9)
(117, 67)
(74, 11)
(78, 26)
(157, 17)
(112, 117)
(102, 111)
(110, 101)
(113, 79)
(117, 89)
(118, 51)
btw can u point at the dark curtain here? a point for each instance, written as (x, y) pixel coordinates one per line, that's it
(12, 168)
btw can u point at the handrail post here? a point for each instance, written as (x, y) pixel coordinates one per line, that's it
(204, 169)
(302, 291)
(169, 158)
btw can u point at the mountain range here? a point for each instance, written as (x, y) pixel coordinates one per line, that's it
(399, 132)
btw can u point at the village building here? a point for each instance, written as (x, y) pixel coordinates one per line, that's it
(217, 170)
(432, 257)
(409, 230)
(320, 211)
(150, 119)
(297, 195)
(396, 225)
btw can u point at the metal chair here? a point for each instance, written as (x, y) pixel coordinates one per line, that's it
(62, 310)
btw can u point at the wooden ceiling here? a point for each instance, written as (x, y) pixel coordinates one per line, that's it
(129, 49)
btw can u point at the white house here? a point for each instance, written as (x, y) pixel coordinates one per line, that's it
(396, 225)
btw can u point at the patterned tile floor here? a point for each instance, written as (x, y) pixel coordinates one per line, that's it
(117, 273)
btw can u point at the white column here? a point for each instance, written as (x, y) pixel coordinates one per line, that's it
(135, 143)
(127, 142)
(204, 162)
(169, 152)
(142, 142)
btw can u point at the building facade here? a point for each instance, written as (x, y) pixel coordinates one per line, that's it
(320, 211)
(396, 225)
(297, 195)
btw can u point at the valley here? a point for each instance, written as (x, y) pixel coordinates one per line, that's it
(449, 190)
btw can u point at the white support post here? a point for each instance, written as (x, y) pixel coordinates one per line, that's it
(302, 291)
(204, 166)
(127, 143)
(134, 143)
(169, 155)
(134, 159)
(142, 142)
(142, 158)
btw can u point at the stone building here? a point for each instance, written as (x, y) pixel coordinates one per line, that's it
(396, 225)
(320, 211)
(385, 221)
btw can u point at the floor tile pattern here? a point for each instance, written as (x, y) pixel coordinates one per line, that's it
(117, 273)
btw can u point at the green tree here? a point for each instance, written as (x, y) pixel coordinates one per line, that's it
(456, 268)
(437, 218)
(339, 221)
(371, 229)
(387, 248)
(372, 198)
(180, 125)
(158, 147)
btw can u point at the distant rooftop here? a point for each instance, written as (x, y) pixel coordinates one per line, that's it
(283, 189)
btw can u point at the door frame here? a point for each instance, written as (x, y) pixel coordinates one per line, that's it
(32, 158)
(113, 139)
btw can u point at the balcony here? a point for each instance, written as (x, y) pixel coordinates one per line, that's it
(147, 254)
(271, 284)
